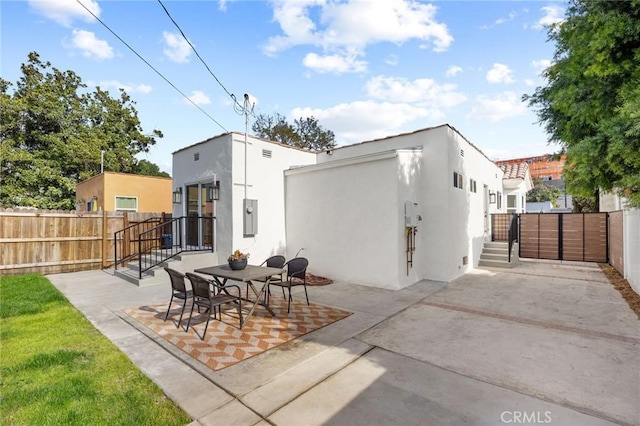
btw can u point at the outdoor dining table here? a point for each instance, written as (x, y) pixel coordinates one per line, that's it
(222, 273)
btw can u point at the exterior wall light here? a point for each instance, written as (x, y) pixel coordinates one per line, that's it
(177, 196)
(213, 191)
(492, 197)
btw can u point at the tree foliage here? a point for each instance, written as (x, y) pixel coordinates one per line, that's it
(542, 192)
(591, 104)
(303, 133)
(52, 132)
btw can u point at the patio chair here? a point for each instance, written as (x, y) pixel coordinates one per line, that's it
(296, 275)
(178, 290)
(276, 261)
(210, 295)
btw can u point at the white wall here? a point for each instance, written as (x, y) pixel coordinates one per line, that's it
(265, 183)
(453, 219)
(214, 163)
(345, 216)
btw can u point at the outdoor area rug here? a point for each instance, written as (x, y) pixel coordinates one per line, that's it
(224, 343)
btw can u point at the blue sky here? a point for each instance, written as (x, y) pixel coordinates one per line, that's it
(365, 69)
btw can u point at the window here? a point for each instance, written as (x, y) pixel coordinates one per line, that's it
(127, 204)
(458, 180)
(473, 185)
(499, 200)
(512, 203)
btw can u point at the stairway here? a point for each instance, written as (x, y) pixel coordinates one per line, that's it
(495, 254)
(183, 262)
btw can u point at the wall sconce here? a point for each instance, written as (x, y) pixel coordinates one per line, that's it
(492, 197)
(213, 191)
(177, 196)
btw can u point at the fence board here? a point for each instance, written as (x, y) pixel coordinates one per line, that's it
(46, 241)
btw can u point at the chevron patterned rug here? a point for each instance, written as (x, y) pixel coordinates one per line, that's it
(224, 343)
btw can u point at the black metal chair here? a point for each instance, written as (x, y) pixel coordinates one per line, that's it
(208, 294)
(276, 261)
(178, 290)
(296, 275)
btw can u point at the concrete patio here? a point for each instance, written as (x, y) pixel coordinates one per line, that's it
(540, 343)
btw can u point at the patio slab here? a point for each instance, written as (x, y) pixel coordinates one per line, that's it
(540, 338)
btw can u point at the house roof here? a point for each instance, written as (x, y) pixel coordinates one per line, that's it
(242, 134)
(515, 171)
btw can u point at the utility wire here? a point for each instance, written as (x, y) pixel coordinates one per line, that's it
(152, 67)
(240, 109)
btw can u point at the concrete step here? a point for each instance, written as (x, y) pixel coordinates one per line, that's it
(496, 263)
(492, 256)
(496, 244)
(496, 250)
(183, 262)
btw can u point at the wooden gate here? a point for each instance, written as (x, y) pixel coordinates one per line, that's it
(564, 236)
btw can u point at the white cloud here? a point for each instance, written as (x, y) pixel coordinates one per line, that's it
(198, 97)
(552, 14)
(391, 60)
(423, 91)
(362, 120)
(503, 20)
(496, 108)
(337, 32)
(529, 82)
(89, 46)
(64, 12)
(500, 73)
(333, 63)
(129, 88)
(541, 65)
(177, 49)
(453, 71)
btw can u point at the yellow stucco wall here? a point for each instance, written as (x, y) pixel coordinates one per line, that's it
(153, 193)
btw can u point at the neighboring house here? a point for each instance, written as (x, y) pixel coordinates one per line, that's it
(110, 191)
(517, 182)
(387, 213)
(546, 167)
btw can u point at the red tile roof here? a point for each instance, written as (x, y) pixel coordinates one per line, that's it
(515, 171)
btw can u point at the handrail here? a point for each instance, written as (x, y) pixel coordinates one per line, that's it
(131, 228)
(513, 232)
(165, 241)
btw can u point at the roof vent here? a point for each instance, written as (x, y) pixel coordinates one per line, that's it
(266, 153)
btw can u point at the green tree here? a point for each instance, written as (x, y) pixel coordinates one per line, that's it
(52, 132)
(542, 192)
(147, 168)
(591, 103)
(304, 133)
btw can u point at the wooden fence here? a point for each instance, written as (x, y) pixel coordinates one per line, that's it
(564, 236)
(616, 239)
(49, 241)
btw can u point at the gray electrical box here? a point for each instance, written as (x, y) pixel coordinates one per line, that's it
(250, 215)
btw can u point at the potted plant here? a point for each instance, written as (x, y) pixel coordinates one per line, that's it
(238, 260)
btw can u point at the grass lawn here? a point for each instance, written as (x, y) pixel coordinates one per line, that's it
(57, 369)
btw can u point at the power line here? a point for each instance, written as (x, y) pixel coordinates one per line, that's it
(152, 67)
(240, 109)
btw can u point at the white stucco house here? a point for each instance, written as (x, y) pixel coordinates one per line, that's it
(516, 181)
(387, 213)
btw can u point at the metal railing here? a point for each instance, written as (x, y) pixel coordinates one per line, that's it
(179, 235)
(513, 232)
(126, 236)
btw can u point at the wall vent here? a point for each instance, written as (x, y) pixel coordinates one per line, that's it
(465, 260)
(266, 153)
(196, 156)
(462, 153)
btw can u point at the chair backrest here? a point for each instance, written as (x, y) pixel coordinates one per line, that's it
(276, 261)
(177, 280)
(201, 286)
(297, 267)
